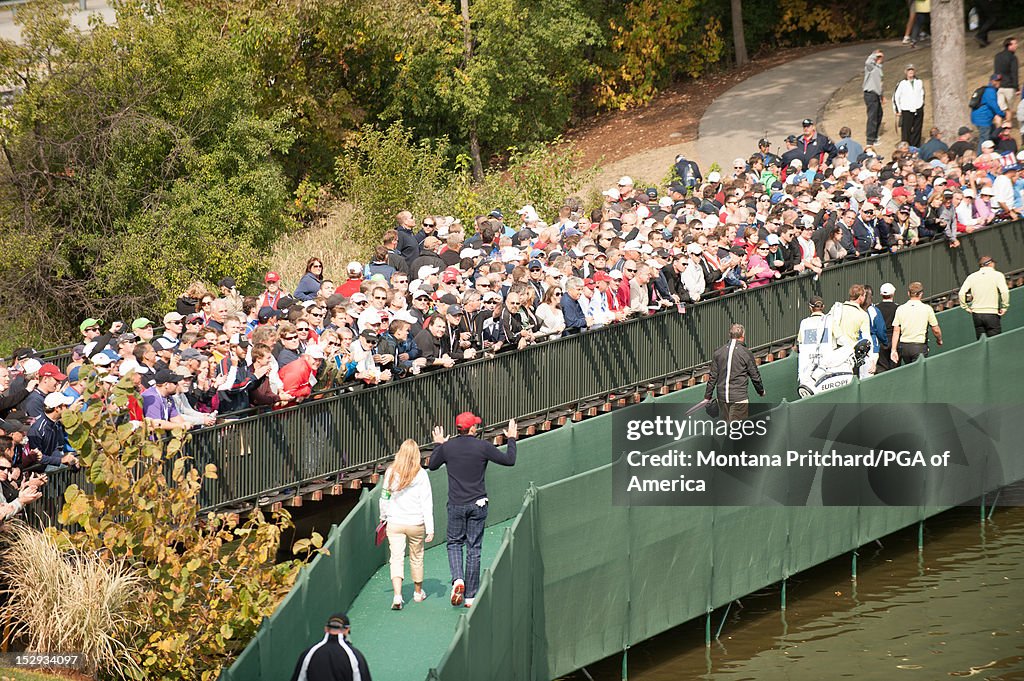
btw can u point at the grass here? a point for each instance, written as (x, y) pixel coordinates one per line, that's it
(87, 602)
(329, 239)
(7, 674)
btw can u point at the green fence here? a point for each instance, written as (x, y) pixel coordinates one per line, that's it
(577, 579)
(543, 459)
(270, 452)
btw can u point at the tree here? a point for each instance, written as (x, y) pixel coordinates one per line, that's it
(738, 40)
(949, 59)
(136, 161)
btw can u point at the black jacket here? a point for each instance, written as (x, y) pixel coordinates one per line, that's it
(329, 660)
(732, 366)
(1005, 64)
(466, 458)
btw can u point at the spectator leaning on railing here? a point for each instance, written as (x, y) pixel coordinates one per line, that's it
(438, 290)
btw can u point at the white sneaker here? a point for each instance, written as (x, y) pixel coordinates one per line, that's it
(419, 596)
(469, 602)
(906, 40)
(397, 603)
(458, 588)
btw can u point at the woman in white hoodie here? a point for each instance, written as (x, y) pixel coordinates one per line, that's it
(406, 503)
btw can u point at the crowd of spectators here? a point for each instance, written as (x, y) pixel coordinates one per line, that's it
(437, 291)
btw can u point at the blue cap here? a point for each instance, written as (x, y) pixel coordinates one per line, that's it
(112, 355)
(535, 265)
(74, 373)
(496, 214)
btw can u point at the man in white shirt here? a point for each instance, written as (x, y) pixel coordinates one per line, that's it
(908, 104)
(1002, 187)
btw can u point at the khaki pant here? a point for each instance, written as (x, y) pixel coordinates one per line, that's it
(398, 536)
(1006, 96)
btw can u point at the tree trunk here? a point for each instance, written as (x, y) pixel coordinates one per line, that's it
(474, 140)
(739, 42)
(949, 77)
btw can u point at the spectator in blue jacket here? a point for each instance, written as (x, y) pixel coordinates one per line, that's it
(572, 310)
(309, 285)
(879, 337)
(984, 116)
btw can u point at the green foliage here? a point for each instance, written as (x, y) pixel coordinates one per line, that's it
(209, 580)
(383, 172)
(137, 163)
(654, 42)
(386, 171)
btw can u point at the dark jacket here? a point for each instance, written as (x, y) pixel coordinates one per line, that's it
(48, 437)
(308, 288)
(407, 244)
(329, 660)
(732, 366)
(466, 458)
(1006, 65)
(15, 395)
(572, 312)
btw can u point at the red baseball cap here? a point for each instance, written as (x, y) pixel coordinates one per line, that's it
(450, 275)
(51, 370)
(273, 276)
(467, 420)
(601, 275)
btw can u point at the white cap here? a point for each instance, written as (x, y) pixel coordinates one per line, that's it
(314, 351)
(665, 202)
(109, 378)
(54, 400)
(968, 192)
(939, 182)
(988, 191)
(101, 360)
(740, 162)
(887, 289)
(653, 264)
(403, 316)
(510, 254)
(31, 366)
(615, 274)
(1020, 155)
(988, 143)
(633, 245)
(426, 271)
(611, 193)
(527, 210)
(694, 248)
(354, 266)
(172, 317)
(359, 297)
(626, 180)
(714, 176)
(130, 365)
(470, 253)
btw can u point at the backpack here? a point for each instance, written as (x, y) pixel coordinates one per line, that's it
(688, 172)
(975, 100)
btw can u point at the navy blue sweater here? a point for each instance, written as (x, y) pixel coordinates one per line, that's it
(466, 457)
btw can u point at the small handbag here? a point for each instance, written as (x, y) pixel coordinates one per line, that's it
(382, 531)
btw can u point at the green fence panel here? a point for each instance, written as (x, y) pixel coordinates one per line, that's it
(582, 542)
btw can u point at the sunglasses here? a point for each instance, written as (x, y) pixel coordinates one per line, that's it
(333, 345)
(316, 314)
(380, 298)
(316, 265)
(558, 295)
(6, 468)
(301, 328)
(428, 224)
(363, 302)
(289, 338)
(630, 271)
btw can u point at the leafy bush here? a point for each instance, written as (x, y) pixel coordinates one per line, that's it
(209, 580)
(384, 172)
(653, 43)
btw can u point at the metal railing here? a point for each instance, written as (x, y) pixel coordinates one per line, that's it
(319, 439)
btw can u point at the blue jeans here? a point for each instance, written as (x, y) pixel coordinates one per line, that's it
(984, 134)
(466, 527)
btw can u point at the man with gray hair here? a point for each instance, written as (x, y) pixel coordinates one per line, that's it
(873, 99)
(732, 366)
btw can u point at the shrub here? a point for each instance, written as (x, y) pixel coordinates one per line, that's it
(63, 598)
(209, 580)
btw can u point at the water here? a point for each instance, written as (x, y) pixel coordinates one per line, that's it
(954, 610)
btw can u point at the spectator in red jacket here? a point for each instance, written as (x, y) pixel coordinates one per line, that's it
(298, 377)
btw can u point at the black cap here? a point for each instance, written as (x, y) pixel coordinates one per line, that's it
(284, 302)
(449, 299)
(166, 376)
(227, 282)
(338, 621)
(791, 138)
(816, 302)
(763, 142)
(266, 313)
(805, 122)
(651, 192)
(947, 193)
(370, 335)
